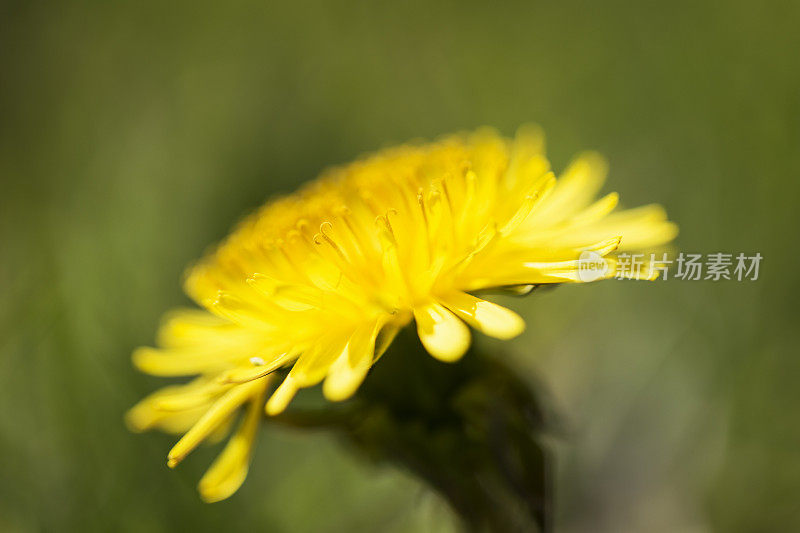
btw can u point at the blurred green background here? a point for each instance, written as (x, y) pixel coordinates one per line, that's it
(134, 134)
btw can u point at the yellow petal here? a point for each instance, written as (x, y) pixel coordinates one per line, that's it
(352, 365)
(244, 374)
(442, 333)
(387, 334)
(528, 204)
(212, 418)
(597, 210)
(641, 228)
(244, 312)
(528, 273)
(281, 397)
(178, 361)
(190, 397)
(312, 366)
(229, 469)
(144, 416)
(173, 409)
(192, 327)
(575, 189)
(486, 317)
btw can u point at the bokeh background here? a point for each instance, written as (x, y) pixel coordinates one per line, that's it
(135, 134)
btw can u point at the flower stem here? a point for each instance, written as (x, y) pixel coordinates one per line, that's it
(471, 430)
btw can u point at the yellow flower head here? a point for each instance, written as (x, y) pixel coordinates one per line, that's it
(320, 281)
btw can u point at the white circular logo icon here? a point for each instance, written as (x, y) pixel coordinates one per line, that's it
(591, 266)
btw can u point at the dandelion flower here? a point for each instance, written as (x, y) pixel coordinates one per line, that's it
(320, 281)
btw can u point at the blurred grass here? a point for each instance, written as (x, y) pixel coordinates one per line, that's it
(133, 135)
